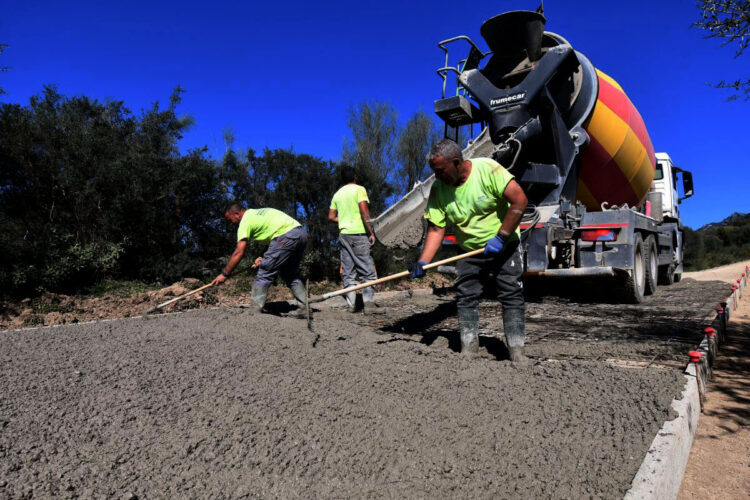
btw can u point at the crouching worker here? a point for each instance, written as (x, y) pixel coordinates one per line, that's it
(485, 203)
(286, 240)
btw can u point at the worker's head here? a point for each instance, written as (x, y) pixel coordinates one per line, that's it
(444, 159)
(234, 212)
(348, 174)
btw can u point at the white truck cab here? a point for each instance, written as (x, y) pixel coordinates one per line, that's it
(665, 184)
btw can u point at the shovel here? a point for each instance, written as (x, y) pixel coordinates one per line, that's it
(402, 274)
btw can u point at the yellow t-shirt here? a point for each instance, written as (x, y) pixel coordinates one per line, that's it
(477, 207)
(264, 224)
(346, 203)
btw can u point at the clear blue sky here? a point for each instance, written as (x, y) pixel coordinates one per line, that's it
(284, 73)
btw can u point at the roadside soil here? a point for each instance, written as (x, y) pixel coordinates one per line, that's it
(719, 462)
(52, 309)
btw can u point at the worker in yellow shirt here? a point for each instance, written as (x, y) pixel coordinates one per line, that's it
(286, 240)
(485, 203)
(349, 209)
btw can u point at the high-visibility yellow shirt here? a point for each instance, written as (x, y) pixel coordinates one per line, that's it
(477, 207)
(346, 203)
(264, 224)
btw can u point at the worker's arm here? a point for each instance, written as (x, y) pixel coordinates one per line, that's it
(364, 211)
(333, 215)
(432, 242)
(518, 201)
(234, 260)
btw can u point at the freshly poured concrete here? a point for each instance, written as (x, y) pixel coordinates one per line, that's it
(224, 403)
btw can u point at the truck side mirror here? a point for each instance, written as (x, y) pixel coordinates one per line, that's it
(687, 185)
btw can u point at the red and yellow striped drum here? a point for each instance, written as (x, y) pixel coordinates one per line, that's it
(618, 165)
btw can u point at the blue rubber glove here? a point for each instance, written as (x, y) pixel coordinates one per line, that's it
(417, 269)
(494, 246)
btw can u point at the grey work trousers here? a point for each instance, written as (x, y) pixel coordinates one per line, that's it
(507, 268)
(283, 257)
(356, 260)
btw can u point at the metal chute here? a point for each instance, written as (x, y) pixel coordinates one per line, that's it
(403, 225)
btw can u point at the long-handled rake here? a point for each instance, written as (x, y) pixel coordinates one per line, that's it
(402, 274)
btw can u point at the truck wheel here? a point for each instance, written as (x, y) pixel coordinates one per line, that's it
(677, 277)
(635, 282)
(651, 265)
(666, 275)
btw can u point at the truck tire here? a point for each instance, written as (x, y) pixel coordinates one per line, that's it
(651, 265)
(677, 277)
(666, 275)
(635, 282)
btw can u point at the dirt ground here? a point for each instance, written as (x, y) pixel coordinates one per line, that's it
(222, 403)
(719, 463)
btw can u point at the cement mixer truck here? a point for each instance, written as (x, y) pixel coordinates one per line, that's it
(601, 201)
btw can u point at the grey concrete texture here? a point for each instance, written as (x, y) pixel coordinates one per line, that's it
(228, 404)
(661, 472)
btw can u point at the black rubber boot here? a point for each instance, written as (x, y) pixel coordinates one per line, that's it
(260, 295)
(468, 321)
(300, 293)
(370, 307)
(514, 326)
(351, 301)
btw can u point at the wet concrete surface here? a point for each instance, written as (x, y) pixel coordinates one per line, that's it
(222, 403)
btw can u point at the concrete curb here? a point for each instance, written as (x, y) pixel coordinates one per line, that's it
(660, 474)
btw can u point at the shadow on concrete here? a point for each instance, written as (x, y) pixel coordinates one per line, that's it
(424, 324)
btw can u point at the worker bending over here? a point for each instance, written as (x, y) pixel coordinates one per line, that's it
(486, 204)
(349, 208)
(286, 240)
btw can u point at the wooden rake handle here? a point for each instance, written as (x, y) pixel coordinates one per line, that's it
(402, 274)
(191, 292)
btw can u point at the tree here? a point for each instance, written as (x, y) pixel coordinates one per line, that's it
(728, 20)
(372, 150)
(414, 143)
(90, 191)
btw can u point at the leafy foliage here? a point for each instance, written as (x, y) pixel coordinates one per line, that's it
(92, 193)
(414, 143)
(718, 245)
(88, 191)
(372, 151)
(728, 20)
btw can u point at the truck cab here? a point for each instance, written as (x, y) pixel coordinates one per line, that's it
(663, 194)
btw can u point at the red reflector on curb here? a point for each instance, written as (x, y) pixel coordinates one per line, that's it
(734, 287)
(695, 356)
(710, 332)
(599, 234)
(719, 309)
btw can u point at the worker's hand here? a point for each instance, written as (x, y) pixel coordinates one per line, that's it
(372, 239)
(494, 246)
(417, 269)
(257, 262)
(219, 280)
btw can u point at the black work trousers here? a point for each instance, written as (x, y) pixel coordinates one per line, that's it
(506, 267)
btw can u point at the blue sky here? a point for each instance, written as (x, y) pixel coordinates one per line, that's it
(283, 74)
